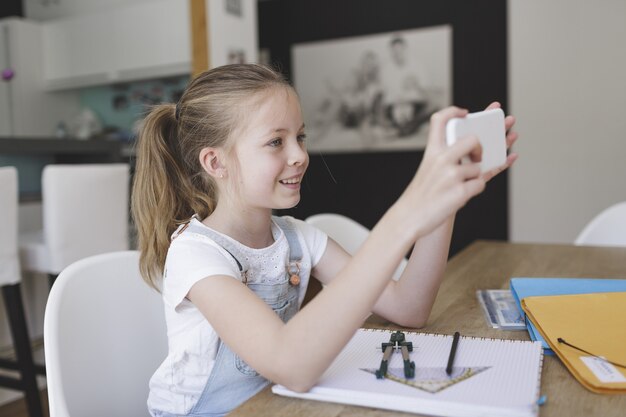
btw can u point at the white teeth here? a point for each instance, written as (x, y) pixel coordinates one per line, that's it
(291, 181)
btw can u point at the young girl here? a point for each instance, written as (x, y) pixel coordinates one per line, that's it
(209, 172)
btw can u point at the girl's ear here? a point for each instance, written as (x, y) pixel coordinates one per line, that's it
(211, 161)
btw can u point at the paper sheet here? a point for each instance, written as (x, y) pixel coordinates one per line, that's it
(507, 386)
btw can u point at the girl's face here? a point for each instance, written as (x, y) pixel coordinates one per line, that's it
(271, 152)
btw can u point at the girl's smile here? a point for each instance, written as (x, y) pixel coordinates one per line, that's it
(293, 182)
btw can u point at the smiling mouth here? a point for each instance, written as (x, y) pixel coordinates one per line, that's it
(291, 180)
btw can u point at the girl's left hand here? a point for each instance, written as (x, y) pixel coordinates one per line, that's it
(511, 137)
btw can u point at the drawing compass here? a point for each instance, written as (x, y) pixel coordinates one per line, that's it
(397, 342)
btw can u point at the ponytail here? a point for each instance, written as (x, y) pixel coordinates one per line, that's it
(164, 194)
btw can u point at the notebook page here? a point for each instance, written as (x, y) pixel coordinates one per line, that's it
(506, 383)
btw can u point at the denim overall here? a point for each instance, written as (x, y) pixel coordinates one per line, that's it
(232, 381)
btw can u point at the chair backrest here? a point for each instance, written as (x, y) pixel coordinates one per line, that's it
(348, 233)
(85, 211)
(606, 229)
(9, 259)
(104, 336)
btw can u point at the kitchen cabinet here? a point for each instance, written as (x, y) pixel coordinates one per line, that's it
(41, 10)
(26, 109)
(125, 43)
(31, 155)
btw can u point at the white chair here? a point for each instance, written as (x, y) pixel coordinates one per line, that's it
(104, 336)
(10, 281)
(85, 212)
(606, 229)
(348, 233)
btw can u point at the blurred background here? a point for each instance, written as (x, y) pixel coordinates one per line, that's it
(79, 75)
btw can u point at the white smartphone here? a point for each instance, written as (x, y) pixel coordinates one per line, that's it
(488, 125)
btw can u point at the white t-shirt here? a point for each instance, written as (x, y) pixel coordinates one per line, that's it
(177, 384)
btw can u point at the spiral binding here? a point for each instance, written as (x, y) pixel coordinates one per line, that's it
(444, 335)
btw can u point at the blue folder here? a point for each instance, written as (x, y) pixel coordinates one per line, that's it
(527, 287)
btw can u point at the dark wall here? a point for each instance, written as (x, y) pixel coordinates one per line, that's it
(10, 8)
(364, 185)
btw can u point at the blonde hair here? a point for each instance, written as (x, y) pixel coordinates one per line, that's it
(170, 184)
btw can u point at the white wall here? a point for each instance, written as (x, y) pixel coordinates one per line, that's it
(228, 32)
(567, 63)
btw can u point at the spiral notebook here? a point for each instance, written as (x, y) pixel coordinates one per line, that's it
(490, 377)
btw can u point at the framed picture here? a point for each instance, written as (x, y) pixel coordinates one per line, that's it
(373, 92)
(326, 47)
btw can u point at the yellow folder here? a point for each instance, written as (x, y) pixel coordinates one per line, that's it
(595, 323)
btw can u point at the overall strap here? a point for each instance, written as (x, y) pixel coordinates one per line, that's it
(226, 244)
(295, 250)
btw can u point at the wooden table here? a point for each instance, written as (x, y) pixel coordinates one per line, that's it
(488, 265)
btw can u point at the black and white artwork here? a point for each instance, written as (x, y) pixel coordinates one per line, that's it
(374, 92)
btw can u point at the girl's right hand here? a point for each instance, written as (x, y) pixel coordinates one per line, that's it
(442, 184)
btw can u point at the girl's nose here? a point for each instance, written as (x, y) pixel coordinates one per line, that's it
(297, 155)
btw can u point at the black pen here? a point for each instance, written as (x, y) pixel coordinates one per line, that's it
(455, 342)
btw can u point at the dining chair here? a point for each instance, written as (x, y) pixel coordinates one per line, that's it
(85, 212)
(608, 228)
(347, 232)
(104, 336)
(10, 281)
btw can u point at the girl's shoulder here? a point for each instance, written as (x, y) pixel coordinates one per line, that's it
(192, 231)
(194, 240)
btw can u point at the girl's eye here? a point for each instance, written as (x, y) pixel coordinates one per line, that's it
(276, 142)
(301, 138)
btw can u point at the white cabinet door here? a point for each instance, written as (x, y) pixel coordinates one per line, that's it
(26, 109)
(156, 40)
(133, 42)
(78, 50)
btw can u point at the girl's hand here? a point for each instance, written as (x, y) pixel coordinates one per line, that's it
(442, 184)
(511, 137)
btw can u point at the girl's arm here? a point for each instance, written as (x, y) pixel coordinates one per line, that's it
(296, 353)
(408, 301)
